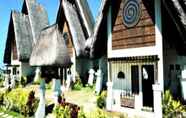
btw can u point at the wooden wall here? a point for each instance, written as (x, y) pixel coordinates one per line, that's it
(143, 34)
(14, 49)
(69, 42)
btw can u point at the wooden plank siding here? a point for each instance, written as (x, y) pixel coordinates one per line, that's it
(14, 50)
(142, 35)
(69, 42)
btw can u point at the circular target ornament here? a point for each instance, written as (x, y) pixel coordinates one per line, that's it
(131, 12)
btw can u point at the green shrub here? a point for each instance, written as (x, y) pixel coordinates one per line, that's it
(62, 112)
(171, 108)
(23, 81)
(1, 98)
(21, 101)
(1, 82)
(49, 85)
(101, 100)
(31, 105)
(98, 113)
(81, 113)
(77, 85)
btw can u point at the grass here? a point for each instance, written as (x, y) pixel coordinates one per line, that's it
(11, 113)
(85, 98)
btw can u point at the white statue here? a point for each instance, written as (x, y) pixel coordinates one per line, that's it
(69, 79)
(40, 113)
(145, 74)
(91, 77)
(99, 78)
(56, 89)
(37, 74)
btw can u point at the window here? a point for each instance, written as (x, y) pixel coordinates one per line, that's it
(121, 75)
(135, 79)
(65, 36)
(14, 70)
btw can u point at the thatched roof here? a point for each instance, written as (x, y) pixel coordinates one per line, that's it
(50, 49)
(86, 15)
(24, 28)
(97, 40)
(96, 45)
(37, 15)
(69, 13)
(19, 30)
(177, 10)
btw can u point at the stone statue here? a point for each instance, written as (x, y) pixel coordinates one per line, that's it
(37, 74)
(91, 77)
(40, 113)
(99, 79)
(69, 79)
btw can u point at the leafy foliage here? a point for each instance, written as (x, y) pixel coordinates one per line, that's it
(101, 100)
(1, 98)
(77, 85)
(171, 108)
(21, 101)
(62, 112)
(81, 113)
(1, 80)
(23, 81)
(98, 113)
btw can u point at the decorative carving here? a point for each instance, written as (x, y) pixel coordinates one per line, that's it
(131, 12)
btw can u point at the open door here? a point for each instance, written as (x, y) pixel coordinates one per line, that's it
(147, 82)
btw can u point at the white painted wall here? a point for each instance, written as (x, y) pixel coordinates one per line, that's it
(121, 84)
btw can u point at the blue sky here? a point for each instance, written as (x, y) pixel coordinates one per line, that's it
(50, 5)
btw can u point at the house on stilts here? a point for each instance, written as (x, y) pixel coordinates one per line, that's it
(24, 28)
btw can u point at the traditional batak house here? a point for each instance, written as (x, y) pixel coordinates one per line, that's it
(59, 46)
(146, 54)
(23, 31)
(76, 22)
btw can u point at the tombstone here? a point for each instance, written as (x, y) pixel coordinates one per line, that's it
(91, 77)
(56, 89)
(37, 74)
(40, 113)
(99, 79)
(69, 80)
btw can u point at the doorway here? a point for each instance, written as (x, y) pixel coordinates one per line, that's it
(147, 82)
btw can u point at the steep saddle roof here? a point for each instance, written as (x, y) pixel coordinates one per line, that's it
(50, 50)
(88, 41)
(80, 23)
(24, 27)
(177, 10)
(20, 31)
(69, 12)
(37, 16)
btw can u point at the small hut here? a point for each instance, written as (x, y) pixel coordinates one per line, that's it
(51, 55)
